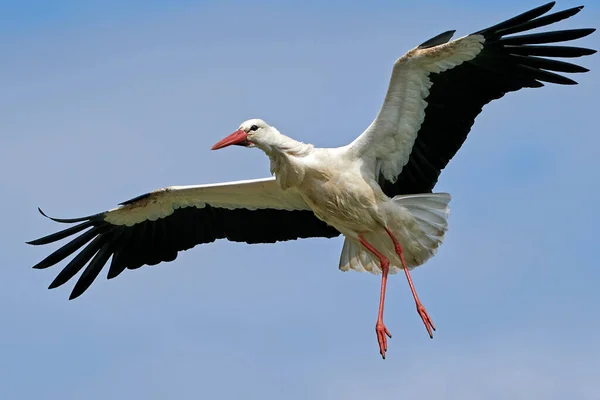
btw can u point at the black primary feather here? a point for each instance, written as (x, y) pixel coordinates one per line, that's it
(458, 95)
(153, 242)
(437, 40)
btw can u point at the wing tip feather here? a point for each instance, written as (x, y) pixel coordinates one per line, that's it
(54, 285)
(442, 38)
(75, 294)
(39, 266)
(69, 220)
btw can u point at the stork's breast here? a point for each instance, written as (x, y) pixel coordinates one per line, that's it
(341, 201)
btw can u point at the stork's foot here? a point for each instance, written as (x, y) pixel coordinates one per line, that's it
(426, 320)
(382, 331)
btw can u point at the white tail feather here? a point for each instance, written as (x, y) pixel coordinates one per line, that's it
(418, 221)
(355, 257)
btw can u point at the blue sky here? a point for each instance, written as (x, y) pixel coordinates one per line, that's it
(102, 101)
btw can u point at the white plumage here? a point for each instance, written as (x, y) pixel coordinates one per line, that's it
(251, 194)
(391, 136)
(376, 191)
(419, 221)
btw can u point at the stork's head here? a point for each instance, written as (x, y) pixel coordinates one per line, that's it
(251, 133)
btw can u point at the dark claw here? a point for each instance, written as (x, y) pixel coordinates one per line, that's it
(382, 331)
(426, 320)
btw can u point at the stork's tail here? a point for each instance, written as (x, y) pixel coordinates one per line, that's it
(420, 234)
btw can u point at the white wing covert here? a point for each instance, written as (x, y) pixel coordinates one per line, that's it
(390, 137)
(154, 227)
(437, 90)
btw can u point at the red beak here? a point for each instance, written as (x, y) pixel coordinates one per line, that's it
(238, 137)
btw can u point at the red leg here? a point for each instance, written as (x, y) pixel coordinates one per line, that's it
(420, 309)
(380, 328)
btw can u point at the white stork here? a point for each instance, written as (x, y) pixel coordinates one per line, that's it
(376, 191)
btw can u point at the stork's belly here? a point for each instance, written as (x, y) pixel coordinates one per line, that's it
(344, 206)
(344, 219)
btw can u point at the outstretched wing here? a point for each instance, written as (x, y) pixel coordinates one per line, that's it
(154, 227)
(437, 90)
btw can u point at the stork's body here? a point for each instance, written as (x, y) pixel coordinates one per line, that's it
(338, 185)
(338, 188)
(376, 191)
(343, 194)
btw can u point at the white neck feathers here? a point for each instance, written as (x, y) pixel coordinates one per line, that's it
(286, 156)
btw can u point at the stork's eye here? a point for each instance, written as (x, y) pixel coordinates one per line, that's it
(254, 128)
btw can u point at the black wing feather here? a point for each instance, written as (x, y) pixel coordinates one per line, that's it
(518, 20)
(547, 37)
(437, 40)
(62, 234)
(66, 250)
(92, 270)
(547, 64)
(78, 262)
(550, 51)
(116, 264)
(153, 242)
(458, 95)
(539, 22)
